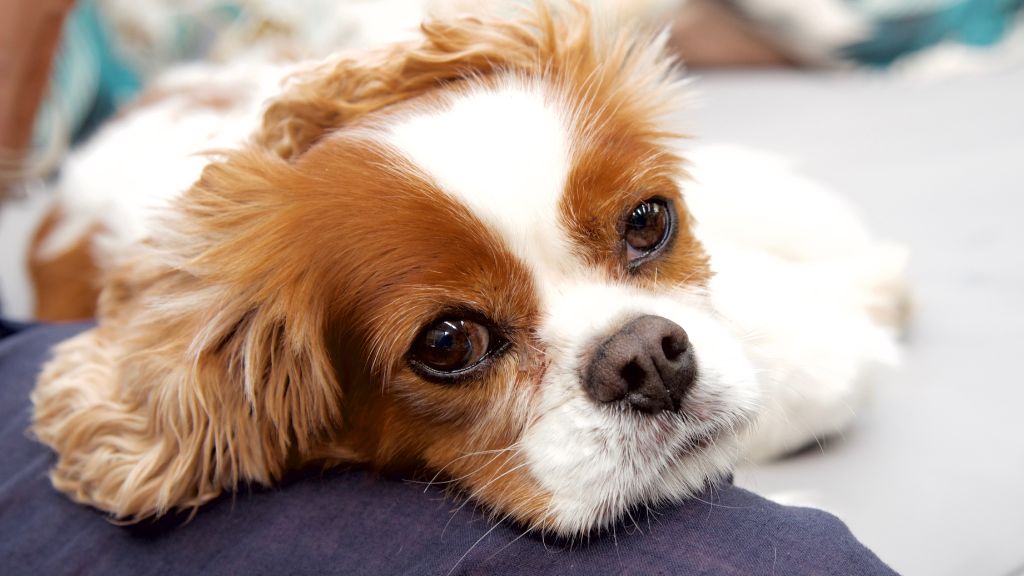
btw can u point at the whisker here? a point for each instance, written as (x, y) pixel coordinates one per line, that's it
(478, 540)
(472, 497)
(433, 481)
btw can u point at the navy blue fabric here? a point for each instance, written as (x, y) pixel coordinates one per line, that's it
(349, 522)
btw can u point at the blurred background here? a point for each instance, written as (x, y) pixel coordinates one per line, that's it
(912, 109)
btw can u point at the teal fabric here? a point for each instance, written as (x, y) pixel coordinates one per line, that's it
(900, 32)
(92, 78)
(89, 80)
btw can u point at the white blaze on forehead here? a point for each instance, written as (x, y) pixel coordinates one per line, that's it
(505, 154)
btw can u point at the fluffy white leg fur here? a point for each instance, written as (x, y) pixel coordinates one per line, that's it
(817, 302)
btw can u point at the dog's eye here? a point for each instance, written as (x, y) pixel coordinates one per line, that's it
(450, 347)
(648, 228)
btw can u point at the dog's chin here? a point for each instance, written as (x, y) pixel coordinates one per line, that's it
(706, 456)
(700, 452)
(658, 460)
(694, 467)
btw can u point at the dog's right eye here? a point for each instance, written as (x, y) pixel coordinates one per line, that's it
(450, 348)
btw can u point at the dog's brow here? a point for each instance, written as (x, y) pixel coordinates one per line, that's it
(504, 153)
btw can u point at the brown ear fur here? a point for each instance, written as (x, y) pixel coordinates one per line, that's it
(203, 372)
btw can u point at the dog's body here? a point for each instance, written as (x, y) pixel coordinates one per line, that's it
(505, 191)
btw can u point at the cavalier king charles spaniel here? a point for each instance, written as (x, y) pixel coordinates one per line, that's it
(472, 256)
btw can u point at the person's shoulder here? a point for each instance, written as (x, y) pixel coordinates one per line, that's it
(350, 521)
(722, 530)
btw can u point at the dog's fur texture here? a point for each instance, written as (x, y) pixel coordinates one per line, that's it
(264, 323)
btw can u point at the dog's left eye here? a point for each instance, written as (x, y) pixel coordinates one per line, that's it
(450, 348)
(648, 228)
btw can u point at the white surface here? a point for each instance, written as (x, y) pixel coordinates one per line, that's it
(18, 220)
(932, 475)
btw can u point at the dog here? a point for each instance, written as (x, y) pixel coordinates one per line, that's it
(473, 257)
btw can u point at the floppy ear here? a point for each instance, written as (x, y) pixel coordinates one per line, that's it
(208, 367)
(320, 100)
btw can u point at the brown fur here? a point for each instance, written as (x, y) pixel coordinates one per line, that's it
(66, 285)
(623, 166)
(267, 323)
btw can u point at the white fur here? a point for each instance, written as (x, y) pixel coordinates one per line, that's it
(815, 298)
(505, 154)
(598, 461)
(138, 164)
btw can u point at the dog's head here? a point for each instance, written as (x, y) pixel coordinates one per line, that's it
(469, 257)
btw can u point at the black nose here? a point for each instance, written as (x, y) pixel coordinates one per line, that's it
(648, 364)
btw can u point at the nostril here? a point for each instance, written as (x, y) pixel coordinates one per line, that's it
(633, 375)
(673, 346)
(668, 348)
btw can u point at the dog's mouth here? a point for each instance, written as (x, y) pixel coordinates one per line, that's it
(683, 436)
(699, 427)
(702, 441)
